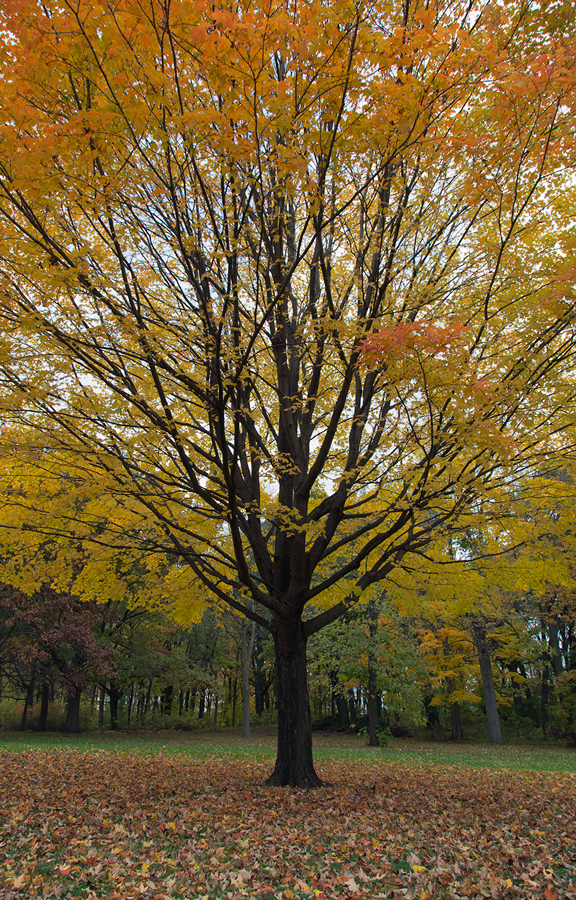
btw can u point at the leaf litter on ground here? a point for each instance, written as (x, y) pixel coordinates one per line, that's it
(107, 826)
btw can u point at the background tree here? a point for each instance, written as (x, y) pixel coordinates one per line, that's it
(49, 640)
(365, 671)
(211, 216)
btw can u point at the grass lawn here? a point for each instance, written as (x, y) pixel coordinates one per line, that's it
(327, 746)
(180, 817)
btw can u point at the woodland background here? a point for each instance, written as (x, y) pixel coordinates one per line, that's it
(128, 648)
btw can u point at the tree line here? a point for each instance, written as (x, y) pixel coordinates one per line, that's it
(72, 665)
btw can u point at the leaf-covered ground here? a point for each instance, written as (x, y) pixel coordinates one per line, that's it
(105, 825)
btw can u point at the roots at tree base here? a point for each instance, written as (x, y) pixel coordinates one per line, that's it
(305, 779)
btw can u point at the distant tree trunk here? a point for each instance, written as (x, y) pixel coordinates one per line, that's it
(294, 765)
(101, 705)
(234, 699)
(457, 733)
(114, 695)
(372, 695)
(166, 701)
(259, 677)
(431, 710)
(544, 700)
(72, 725)
(343, 713)
(516, 695)
(130, 702)
(247, 649)
(202, 704)
(29, 699)
(44, 701)
(556, 655)
(352, 706)
(492, 717)
(148, 696)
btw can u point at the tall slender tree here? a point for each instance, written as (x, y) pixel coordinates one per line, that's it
(293, 278)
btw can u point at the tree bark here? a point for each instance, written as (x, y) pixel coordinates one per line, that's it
(167, 699)
(492, 717)
(544, 700)
(294, 766)
(352, 706)
(373, 723)
(555, 653)
(457, 733)
(343, 713)
(28, 700)
(246, 657)
(45, 699)
(114, 695)
(261, 700)
(130, 702)
(72, 725)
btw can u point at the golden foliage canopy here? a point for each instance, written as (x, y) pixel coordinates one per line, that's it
(297, 279)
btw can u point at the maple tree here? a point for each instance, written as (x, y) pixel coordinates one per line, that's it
(291, 282)
(50, 638)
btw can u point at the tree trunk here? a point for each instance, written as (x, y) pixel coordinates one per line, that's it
(234, 701)
(455, 721)
(373, 740)
(28, 700)
(246, 657)
(148, 696)
(130, 702)
(456, 733)
(45, 699)
(72, 725)
(167, 699)
(258, 673)
(114, 694)
(492, 717)
(544, 700)
(516, 695)
(352, 706)
(294, 766)
(342, 711)
(555, 654)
